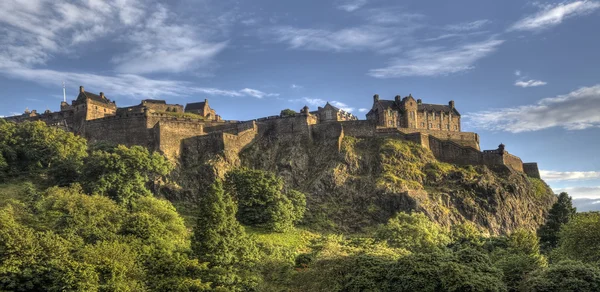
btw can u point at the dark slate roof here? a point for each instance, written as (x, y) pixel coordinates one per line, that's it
(437, 108)
(93, 96)
(194, 106)
(388, 103)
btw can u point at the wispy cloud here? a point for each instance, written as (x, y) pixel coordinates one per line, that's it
(362, 110)
(517, 72)
(529, 83)
(126, 85)
(256, 93)
(553, 15)
(351, 5)
(434, 61)
(467, 26)
(581, 192)
(342, 106)
(296, 86)
(550, 175)
(576, 110)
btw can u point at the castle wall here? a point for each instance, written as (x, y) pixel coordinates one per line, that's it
(128, 130)
(531, 169)
(468, 139)
(513, 161)
(451, 152)
(364, 128)
(98, 110)
(170, 134)
(298, 124)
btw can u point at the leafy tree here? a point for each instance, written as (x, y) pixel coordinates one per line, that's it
(122, 173)
(579, 239)
(519, 258)
(564, 276)
(414, 232)
(33, 148)
(287, 113)
(465, 270)
(561, 212)
(261, 200)
(221, 241)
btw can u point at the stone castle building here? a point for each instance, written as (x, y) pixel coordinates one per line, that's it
(174, 130)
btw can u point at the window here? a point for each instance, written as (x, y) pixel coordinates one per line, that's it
(390, 113)
(328, 115)
(434, 116)
(391, 123)
(423, 125)
(430, 126)
(455, 127)
(448, 127)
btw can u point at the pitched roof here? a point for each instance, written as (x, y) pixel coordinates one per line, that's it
(437, 108)
(194, 106)
(94, 97)
(157, 101)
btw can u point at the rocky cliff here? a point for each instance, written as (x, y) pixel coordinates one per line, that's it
(353, 184)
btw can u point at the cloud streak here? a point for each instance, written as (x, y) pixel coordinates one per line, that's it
(576, 110)
(553, 15)
(436, 61)
(352, 5)
(530, 83)
(581, 192)
(549, 175)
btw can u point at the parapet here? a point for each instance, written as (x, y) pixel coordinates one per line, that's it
(531, 169)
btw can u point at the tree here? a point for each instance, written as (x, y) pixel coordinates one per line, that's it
(287, 113)
(564, 276)
(123, 173)
(221, 241)
(561, 212)
(580, 239)
(414, 232)
(262, 201)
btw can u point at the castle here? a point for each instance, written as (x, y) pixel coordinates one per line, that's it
(174, 130)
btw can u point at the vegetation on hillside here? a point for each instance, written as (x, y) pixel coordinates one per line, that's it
(104, 226)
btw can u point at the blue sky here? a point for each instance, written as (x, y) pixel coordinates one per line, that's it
(526, 74)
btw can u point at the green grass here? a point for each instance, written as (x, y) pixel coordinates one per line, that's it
(539, 186)
(183, 115)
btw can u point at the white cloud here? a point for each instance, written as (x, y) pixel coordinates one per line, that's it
(352, 5)
(362, 110)
(256, 93)
(296, 86)
(342, 106)
(362, 38)
(553, 15)
(125, 85)
(581, 192)
(550, 175)
(529, 83)
(517, 72)
(576, 110)
(467, 26)
(434, 61)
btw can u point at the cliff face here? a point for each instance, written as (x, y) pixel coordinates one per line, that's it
(358, 183)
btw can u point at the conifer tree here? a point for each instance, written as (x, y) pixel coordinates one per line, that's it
(561, 212)
(220, 240)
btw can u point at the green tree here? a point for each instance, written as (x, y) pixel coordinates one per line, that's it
(123, 173)
(221, 241)
(518, 258)
(561, 212)
(414, 232)
(287, 113)
(580, 239)
(262, 201)
(564, 276)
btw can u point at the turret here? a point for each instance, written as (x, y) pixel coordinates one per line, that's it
(451, 104)
(81, 89)
(397, 98)
(376, 98)
(419, 101)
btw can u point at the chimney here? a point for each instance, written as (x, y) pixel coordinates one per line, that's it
(102, 95)
(375, 97)
(398, 98)
(419, 101)
(81, 90)
(451, 104)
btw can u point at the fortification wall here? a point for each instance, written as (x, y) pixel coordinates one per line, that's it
(513, 161)
(364, 128)
(469, 139)
(275, 125)
(235, 143)
(531, 169)
(127, 130)
(451, 152)
(171, 133)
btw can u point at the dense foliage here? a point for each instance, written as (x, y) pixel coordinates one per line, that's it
(80, 219)
(287, 113)
(262, 200)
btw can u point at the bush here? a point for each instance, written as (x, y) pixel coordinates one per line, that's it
(414, 232)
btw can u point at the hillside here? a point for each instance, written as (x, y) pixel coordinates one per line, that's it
(366, 181)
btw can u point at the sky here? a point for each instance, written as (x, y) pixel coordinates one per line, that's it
(526, 74)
